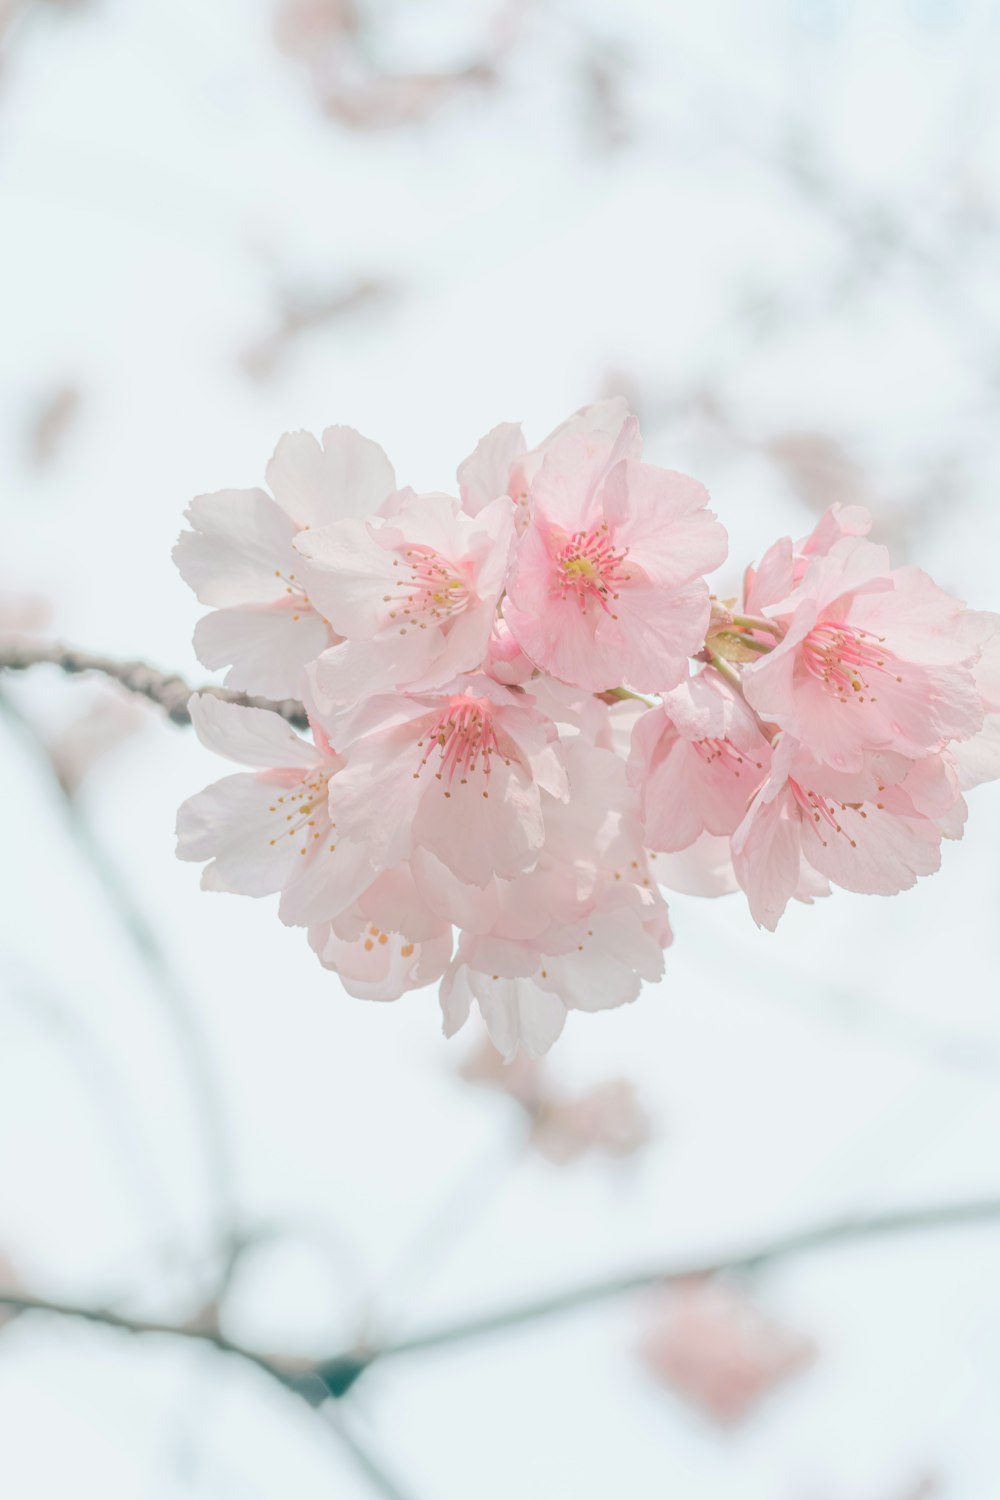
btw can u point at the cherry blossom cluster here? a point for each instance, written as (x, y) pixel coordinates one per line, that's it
(530, 715)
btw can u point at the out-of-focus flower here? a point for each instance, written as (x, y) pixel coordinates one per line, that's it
(239, 557)
(323, 36)
(303, 310)
(713, 1346)
(53, 419)
(818, 468)
(522, 1078)
(607, 1119)
(108, 721)
(924, 1486)
(23, 614)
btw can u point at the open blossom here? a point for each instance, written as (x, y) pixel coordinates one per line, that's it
(606, 585)
(875, 830)
(486, 802)
(239, 557)
(501, 463)
(389, 941)
(414, 594)
(582, 931)
(781, 568)
(459, 774)
(696, 760)
(525, 989)
(870, 657)
(269, 829)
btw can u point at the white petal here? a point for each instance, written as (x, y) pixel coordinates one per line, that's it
(233, 825)
(348, 476)
(249, 736)
(485, 474)
(240, 540)
(266, 647)
(330, 881)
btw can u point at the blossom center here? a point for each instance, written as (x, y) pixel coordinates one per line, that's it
(430, 589)
(588, 567)
(846, 659)
(298, 596)
(465, 742)
(302, 811)
(725, 753)
(822, 813)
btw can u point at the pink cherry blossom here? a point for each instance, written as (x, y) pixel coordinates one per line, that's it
(459, 775)
(978, 758)
(875, 830)
(581, 930)
(268, 829)
(501, 463)
(712, 1345)
(413, 595)
(502, 806)
(781, 568)
(606, 1120)
(239, 557)
(521, 1079)
(525, 987)
(388, 942)
(606, 586)
(870, 657)
(696, 760)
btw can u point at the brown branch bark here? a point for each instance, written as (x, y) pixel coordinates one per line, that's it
(168, 690)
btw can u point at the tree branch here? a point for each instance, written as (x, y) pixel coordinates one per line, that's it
(168, 690)
(169, 988)
(315, 1382)
(800, 1242)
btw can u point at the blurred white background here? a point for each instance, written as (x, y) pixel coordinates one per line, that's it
(775, 228)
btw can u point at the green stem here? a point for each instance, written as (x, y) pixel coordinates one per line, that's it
(757, 622)
(625, 695)
(745, 640)
(726, 670)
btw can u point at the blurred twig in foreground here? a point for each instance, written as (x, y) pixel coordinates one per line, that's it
(316, 1381)
(167, 985)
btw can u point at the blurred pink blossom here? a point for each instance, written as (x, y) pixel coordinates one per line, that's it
(106, 722)
(713, 1346)
(323, 35)
(607, 1119)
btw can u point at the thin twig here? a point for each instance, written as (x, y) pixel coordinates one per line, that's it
(315, 1381)
(801, 1242)
(385, 1484)
(168, 690)
(284, 1370)
(175, 1002)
